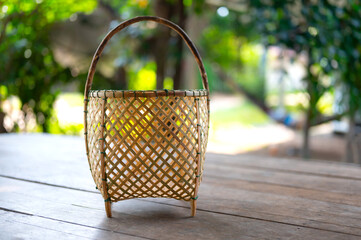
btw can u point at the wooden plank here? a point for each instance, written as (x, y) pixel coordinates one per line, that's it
(23, 226)
(16, 230)
(22, 156)
(320, 183)
(230, 197)
(145, 218)
(328, 197)
(310, 167)
(278, 206)
(279, 184)
(53, 159)
(313, 214)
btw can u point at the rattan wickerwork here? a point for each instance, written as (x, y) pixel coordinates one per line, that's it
(151, 146)
(146, 143)
(94, 134)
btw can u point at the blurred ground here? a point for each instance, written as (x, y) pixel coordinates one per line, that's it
(324, 145)
(254, 133)
(237, 126)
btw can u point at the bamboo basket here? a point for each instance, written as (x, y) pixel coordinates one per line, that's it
(146, 143)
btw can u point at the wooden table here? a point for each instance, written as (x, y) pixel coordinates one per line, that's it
(46, 192)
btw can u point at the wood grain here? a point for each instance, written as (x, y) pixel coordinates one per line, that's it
(252, 197)
(309, 167)
(147, 219)
(24, 226)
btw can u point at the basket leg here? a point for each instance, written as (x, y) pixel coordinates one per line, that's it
(108, 209)
(193, 207)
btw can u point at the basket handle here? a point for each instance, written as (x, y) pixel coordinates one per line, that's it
(125, 24)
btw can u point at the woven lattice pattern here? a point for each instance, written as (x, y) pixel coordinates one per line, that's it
(94, 134)
(204, 114)
(150, 145)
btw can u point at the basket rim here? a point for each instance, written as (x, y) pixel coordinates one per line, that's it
(147, 93)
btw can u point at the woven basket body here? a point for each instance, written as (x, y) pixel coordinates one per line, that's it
(151, 145)
(146, 143)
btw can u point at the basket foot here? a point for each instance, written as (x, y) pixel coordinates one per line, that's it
(108, 209)
(193, 207)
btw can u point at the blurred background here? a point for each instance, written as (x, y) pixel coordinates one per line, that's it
(284, 76)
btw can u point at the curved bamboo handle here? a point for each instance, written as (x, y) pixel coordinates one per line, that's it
(125, 24)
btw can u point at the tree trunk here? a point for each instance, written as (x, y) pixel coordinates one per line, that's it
(311, 113)
(120, 78)
(162, 9)
(182, 18)
(195, 25)
(2, 128)
(305, 152)
(349, 138)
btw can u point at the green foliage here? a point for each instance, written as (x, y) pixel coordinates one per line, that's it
(226, 47)
(251, 75)
(129, 8)
(144, 79)
(328, 32)
(168, 83)
(222, 46)
(3, 92)
(214, 82)
(28, 68)
(69, 129)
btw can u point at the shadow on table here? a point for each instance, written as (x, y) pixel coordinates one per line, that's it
(157, 220)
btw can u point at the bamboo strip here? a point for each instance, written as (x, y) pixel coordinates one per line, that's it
(129, 22)
(199, 159)
(102, 160)
(86, 128)
(148, 93)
